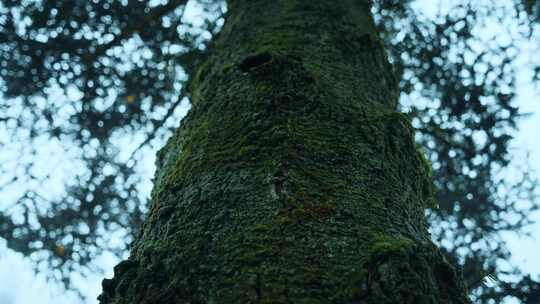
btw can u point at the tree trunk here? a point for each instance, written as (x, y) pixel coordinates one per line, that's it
(292, 179)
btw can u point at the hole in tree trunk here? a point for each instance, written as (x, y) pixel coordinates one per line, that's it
(254, 61)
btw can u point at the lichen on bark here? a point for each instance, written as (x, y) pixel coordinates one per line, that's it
(292, 179)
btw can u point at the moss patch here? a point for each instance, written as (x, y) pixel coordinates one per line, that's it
(292, 179)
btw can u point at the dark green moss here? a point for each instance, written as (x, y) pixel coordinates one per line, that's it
(385, 245)
(292, 179)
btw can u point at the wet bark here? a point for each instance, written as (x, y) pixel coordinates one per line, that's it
(293, 179)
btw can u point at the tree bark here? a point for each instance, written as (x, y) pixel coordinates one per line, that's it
(292, 179)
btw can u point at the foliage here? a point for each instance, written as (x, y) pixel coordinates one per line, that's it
(89, 88)
(96, 86)
(460, 86)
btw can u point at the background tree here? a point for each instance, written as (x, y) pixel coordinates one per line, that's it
(103, 82)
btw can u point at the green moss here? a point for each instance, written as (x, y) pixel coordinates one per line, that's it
(384, 245)
(292, 179)
(227, 68)
(428, 189)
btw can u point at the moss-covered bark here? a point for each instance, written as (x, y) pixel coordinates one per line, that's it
(292, 179)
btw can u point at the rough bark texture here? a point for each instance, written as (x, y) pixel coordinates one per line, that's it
(292, 179)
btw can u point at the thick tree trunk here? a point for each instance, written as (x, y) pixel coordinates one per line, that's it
(292, 179)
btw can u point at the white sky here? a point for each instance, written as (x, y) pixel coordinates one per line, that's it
(525, 250)
(19, 285)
